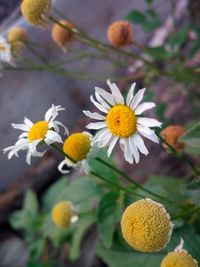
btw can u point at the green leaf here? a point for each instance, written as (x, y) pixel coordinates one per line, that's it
(108, 213)
(122, 255)
(192, 136)
(149, 20)
(78, 191)
(159, 52)
(179, 37)
(81, 228)
(105, 171)
(31, 205)
(192, 191)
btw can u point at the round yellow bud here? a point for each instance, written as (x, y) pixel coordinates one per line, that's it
(179, 259)
(35, 12)
(146, 225)
(62, 36)
(171, 134)
(77, 146)
(62, 213)
(17, 34)
(17, 37)
(120, 33)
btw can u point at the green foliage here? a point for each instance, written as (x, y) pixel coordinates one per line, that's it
(192, 136)
(122, 255)
(108, 214)
(148, 20)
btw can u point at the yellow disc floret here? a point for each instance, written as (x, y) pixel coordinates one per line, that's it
(17, 37)
(146, 226)
(178, 259)
(77, 146)
(62, 213)
(38, 131)
(62, 36)
(35, 11)
(17, 34)
(121, 121)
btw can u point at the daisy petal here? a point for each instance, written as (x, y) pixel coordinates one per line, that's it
(96, 125)
(149, 122)
(21, 126)
(85, 166)
(112, 144)
(52, 112)
(107, 96)
(149, 134)
(94, 115)
(127, 151)
(99, 106)
(143, 107)
(134, 150)
(28, 122)
(116, 93)
(52, 137)
(61, 165)
(105, 138)
(130, 94)
(140, 145)
(137, 98)
(55, 124)
(101, 101)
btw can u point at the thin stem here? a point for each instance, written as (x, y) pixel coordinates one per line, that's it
(33, 51)
(63, 153)
(180, 155)
(131, 181)
(120, 187)
(97, 44)
(97, 175)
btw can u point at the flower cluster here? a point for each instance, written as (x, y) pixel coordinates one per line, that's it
(121, 121)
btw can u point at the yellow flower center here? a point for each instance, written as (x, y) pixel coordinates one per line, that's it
(77, 146)
(146, 226)
(61, 214)
(121, 121)
(178, 259)
(38, 131)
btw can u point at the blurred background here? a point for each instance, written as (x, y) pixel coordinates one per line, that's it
(31, 93)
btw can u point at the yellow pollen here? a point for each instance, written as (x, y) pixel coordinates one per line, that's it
(121, 121)
(178, 259)
(38, 131)
(77, 146)
(146, 226)
(62, 213)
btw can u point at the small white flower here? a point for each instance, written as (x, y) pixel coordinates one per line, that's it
(5, 50)
(34, 133)
(122, 121)
(80, 148)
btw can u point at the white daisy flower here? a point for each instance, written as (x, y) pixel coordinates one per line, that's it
(5, 50)
(79, 147)
(122, 121)
(34, 133)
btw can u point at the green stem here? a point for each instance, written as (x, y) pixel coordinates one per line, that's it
(120, 187)
(132, 181)
(97, 44)
(38, 55)
(180, 155)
